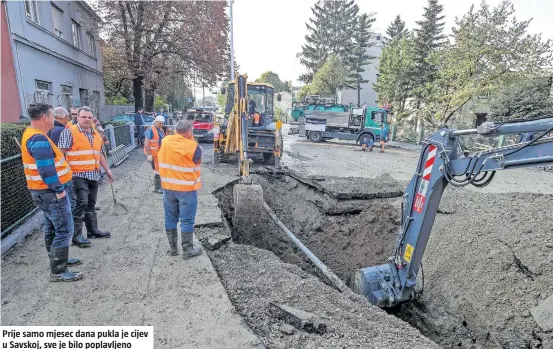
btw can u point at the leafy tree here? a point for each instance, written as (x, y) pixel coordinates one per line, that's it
(359, 58)
(330, 78)
(330, 31)
(394, 83)
(117, 77)
(490, 49)
(524, 100)
(156, 37)
(160, 103)
(272, 78)
(396, 29)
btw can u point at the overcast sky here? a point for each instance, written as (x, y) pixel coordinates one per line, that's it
(269, 33)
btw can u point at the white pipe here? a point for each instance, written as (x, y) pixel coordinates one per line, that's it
(333, 278)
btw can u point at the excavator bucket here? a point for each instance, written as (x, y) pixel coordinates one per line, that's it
(248, 208)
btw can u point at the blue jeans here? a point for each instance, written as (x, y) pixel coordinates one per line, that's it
(58, 219)
(180, 205)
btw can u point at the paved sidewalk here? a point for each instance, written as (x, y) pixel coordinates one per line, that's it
(129, 278)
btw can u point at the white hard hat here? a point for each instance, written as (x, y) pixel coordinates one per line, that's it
(159, 118)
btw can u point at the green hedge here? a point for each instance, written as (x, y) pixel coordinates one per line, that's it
(8, 146)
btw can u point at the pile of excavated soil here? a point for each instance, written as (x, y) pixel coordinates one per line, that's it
(255, 278)
(487, 264)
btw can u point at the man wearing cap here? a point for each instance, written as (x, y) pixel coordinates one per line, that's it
(152, 143)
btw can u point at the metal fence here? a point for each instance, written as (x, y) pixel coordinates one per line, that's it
(16, 201)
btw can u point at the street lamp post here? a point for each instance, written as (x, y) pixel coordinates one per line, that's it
(231, 44)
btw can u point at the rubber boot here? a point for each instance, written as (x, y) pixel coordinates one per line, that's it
(188, 248)
(58, 266)
(173, 237)
(78, 237)
(157, 184)
(92, 231)
(70, 261)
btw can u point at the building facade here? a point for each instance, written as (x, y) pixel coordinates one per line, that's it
(368, 95)
(56, 53)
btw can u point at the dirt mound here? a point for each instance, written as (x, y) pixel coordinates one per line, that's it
(490, 260)
(255, 278)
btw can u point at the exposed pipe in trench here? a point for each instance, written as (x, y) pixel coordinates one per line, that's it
(333, 278)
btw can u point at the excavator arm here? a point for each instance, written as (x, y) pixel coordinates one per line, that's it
(443, 161)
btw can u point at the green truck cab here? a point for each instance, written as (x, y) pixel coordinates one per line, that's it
(343, 122)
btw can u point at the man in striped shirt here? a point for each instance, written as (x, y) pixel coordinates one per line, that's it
(50, 190)
(82, 146)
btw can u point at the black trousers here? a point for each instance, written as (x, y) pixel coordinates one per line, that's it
(85, 194)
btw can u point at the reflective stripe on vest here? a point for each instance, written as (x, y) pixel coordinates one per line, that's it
(34, 180)
(177, 169)
(82, 156)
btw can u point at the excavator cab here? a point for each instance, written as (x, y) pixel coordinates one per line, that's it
(263, 135)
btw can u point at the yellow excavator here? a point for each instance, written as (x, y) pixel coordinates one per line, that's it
(249, 130)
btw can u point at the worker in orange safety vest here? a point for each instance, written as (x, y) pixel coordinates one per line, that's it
(48, 177)
(82, 145)
(179, 169)
(154, 136)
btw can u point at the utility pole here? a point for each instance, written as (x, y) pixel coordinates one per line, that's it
(231, 44)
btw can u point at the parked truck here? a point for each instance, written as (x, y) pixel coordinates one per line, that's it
(350, 123)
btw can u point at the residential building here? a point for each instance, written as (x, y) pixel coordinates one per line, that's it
(56, 53)
(368, 95)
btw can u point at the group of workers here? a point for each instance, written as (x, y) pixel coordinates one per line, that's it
(62, 153)
(61, 157)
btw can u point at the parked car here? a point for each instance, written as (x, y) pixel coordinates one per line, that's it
(129, 117)
(204, 125)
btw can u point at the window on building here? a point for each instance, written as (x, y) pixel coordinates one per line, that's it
(57, 16)
(83, 94)
(76, 33)
(91, 45)
(43, 92)
(31, 10)
(66, 96)
(96, 102)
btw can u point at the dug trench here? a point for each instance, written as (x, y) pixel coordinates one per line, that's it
(481, 282)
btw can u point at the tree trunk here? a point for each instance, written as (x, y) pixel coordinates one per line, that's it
(137, 92)
(149, 99)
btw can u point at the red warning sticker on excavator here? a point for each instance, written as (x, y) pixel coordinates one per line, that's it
(419, 203)
(408, 253)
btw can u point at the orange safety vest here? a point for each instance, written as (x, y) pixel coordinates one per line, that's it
(82, 157)
(177, 170)
(154, 142)
(34, 180)
(256, 118)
